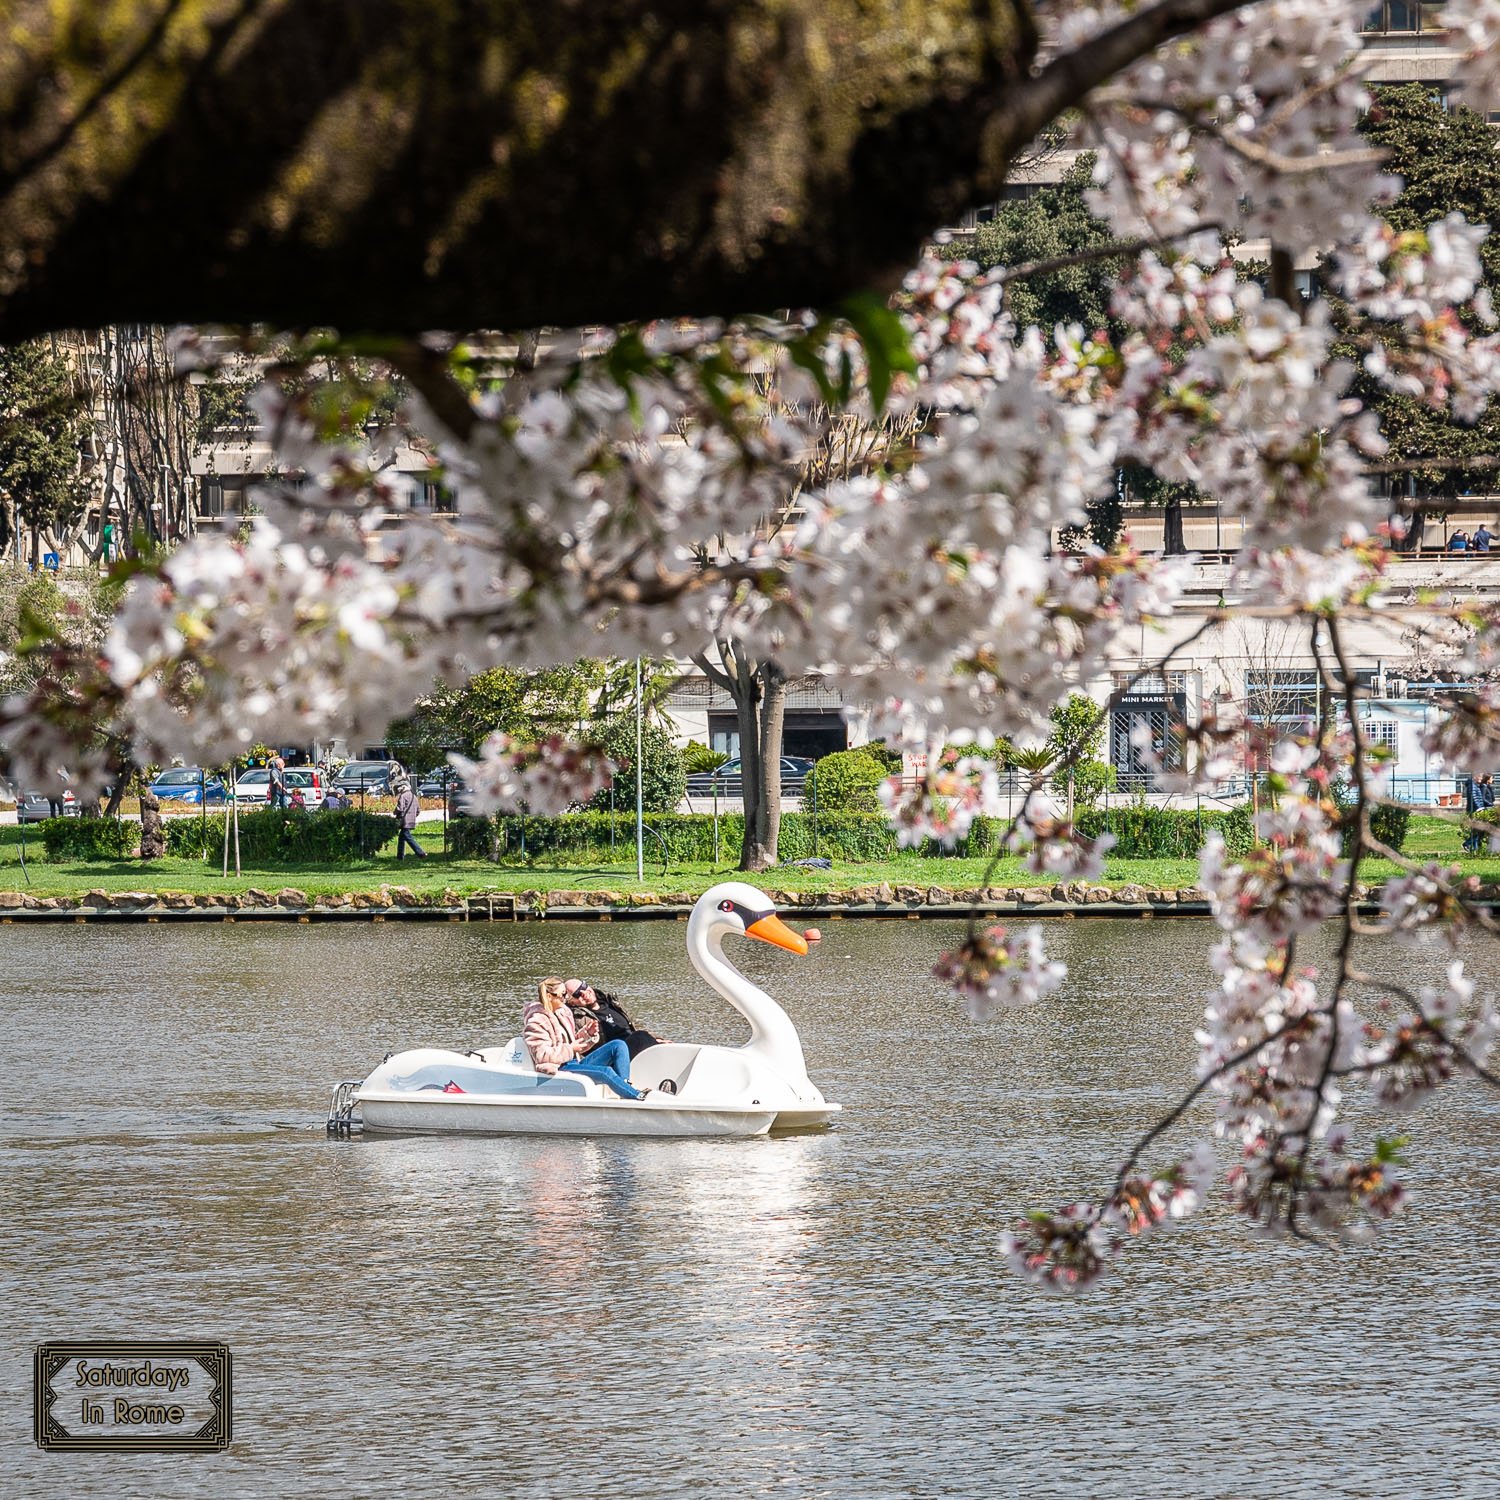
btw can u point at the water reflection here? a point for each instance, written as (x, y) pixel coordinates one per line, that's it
(815, 1315)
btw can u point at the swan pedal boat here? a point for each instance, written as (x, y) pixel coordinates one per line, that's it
(719, 1091)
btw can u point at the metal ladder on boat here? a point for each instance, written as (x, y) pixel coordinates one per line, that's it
(341, 1120)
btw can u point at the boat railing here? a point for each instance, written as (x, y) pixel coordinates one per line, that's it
(341, 1108)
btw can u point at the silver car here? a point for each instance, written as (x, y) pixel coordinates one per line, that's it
(37, 807)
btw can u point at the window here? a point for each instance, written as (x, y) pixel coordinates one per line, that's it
(1273, 694)
(1399, 15)
(1290, 695)
(1383, 733)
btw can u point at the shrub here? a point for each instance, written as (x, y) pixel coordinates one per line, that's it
(1166, 832)
(89, 838)
(1390, 824)
(698, 757)
(890, 759)
(845, 782)
(663, 774)
(584, 838)
(277, 836)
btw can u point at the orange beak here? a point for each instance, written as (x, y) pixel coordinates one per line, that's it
(771, 929)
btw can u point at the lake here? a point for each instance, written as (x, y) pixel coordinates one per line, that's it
(819, 1315)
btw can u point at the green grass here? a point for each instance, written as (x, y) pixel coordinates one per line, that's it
(1429, 838)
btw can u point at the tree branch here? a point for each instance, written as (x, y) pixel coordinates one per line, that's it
(1064, 82)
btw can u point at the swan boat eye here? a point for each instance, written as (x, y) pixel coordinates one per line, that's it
(748, 917)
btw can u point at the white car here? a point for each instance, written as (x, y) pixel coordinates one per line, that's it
(254, 787)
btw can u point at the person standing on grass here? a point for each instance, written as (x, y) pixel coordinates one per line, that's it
(407, 808)
(1478, 796)
(277, 768)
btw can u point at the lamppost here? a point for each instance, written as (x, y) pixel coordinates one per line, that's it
(640, 823)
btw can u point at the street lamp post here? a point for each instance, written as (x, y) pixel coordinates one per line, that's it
(640, 823)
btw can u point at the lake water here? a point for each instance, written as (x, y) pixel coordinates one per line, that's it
(823, 1315)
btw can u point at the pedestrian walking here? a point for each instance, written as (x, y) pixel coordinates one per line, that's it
(407, 808)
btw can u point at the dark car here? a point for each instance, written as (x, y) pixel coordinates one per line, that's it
(444, 779)
(37, 807)
(370, 777)
(794, 771)
(190, 784)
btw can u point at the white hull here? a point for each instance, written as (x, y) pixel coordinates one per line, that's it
(468, 1114)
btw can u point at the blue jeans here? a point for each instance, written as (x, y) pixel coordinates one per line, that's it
(608, 1064)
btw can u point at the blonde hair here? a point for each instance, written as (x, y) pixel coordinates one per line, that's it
(551, 990)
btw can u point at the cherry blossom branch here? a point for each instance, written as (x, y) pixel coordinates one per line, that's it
(1360, 821)
(1064, 82)
(1428, 1026)
(1164, 1124)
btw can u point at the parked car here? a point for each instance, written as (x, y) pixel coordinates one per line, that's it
(372, 777)
(794, 771)
(254, 787)
(436, 782)
(190, 784)
(36, 807)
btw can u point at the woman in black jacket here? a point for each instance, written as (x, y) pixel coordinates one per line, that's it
(609, 1015)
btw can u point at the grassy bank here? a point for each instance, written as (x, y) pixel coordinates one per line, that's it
(1429, 837)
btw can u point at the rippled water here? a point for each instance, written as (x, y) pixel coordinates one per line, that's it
(815, 1316)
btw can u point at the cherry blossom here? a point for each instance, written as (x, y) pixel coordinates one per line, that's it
(1141, 1203)
(944, 804)
(1000, 969)
(543, 778)
(1065, 1251)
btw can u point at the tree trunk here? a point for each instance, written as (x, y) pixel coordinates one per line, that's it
(767, 721)
(153, 835)
(1173, 542)
(759, 693)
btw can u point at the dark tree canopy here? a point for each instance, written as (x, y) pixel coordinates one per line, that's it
(1053, 223)
(39, 481)
(1448, 163)
(397, 165)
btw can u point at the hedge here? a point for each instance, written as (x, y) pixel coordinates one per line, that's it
(89, 838)
(1166, 832)
(270, 836)
(584, 838)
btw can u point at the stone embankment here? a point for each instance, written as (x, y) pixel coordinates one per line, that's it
(400, 903)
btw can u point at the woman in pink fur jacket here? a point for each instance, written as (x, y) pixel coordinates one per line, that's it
(552, 1038)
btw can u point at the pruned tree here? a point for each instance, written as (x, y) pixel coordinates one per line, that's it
(42, 492)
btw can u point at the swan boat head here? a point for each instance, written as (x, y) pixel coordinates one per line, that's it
(736, 909)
